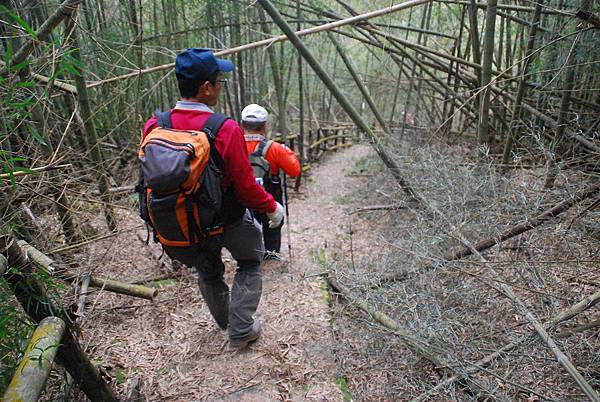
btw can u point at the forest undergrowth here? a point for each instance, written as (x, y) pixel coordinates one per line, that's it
(457, 310)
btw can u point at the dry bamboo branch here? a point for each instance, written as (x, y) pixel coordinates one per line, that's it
(378, 208)
(530, 223)
(34, 171)
(545, 337)
(30, 375)
(562, 316)
(577, 308)
(268, 42)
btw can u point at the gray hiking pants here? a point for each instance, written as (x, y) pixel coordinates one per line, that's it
(244, 241)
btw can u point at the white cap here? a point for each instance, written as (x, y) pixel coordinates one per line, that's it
(254, 113)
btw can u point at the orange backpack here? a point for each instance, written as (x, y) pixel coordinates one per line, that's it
(180, 182)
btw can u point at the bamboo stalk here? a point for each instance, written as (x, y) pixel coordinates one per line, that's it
(3, 264)
(128, 289)
(268, 42)
(56, 83)
(30, 375)
(516, 113)
(510, 7)
(346, 105)
(483, 134)
(89, 127)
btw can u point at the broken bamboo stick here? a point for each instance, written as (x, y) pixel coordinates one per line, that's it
(377, 208)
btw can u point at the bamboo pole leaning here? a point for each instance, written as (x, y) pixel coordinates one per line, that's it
(346, 105)
(270, 41)
(32, 372)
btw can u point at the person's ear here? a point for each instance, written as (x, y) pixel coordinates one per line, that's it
(205, 88)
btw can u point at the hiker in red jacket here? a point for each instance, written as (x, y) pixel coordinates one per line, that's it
(199, 75)
(269, 160)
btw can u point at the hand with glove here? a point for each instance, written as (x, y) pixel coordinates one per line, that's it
(276, 216)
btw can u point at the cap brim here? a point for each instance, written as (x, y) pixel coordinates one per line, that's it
(225, 66)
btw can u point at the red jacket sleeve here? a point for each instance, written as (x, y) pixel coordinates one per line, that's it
(149, 126)
(281, 157)
(238, 171)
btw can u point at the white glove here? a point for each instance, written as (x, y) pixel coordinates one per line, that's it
(276, 216)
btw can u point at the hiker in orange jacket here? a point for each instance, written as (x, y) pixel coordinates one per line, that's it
(268, 159)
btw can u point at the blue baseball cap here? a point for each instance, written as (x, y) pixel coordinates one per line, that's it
(200, 64)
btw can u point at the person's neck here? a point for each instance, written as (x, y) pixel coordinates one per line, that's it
(193, 100)
(253, 132)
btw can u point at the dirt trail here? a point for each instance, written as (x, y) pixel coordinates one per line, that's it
(174, 346)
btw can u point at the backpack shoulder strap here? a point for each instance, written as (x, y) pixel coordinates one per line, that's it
(211, 127)
(262, 147)
(163, 119)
